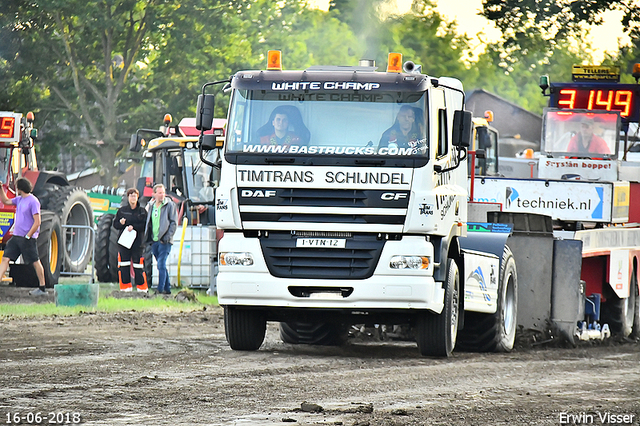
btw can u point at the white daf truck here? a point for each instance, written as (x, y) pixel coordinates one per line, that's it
(343, 200)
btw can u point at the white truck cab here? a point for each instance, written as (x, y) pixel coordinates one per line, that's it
(343, 194)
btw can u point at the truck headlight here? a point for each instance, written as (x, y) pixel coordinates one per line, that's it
(236, 259)
(409, 262)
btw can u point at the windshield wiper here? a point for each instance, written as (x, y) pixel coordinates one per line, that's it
(279, 160)
(371, 162)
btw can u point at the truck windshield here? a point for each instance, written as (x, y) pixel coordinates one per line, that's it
(582, 134)
(347, 124)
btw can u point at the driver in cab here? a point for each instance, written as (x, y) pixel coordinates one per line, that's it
(585, 141)
(281, 134)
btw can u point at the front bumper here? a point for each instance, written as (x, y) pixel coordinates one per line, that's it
(386, 289)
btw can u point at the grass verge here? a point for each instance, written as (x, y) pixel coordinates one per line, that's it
(107, 303)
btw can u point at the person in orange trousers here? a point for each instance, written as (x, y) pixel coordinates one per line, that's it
(131, 217)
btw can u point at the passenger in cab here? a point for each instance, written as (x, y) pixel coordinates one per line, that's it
(406, 130)
(585, 141)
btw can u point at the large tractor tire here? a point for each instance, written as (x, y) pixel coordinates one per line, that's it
(623, 315)
(50, 247)
(436, 333)
(73, 207)
(104, 270)
(495, 332)
(113, 252)
(324, 334)
(244, 328)
(49, 244)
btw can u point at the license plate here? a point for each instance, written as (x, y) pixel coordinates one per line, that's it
(321, 242)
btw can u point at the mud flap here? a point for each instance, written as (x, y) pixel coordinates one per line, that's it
(567, 294)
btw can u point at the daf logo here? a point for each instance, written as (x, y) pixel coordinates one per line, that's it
(393, 196)
(258, 193)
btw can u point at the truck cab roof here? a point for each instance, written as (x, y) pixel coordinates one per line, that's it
(330, 78)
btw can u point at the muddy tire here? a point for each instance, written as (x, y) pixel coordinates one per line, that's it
(245, 329)
(324, 334)
(73, 207)
(622, 314)
(104, 272)
(113, 253)
(436, 333)
(50, 247)
(495, 332)
(635, 330)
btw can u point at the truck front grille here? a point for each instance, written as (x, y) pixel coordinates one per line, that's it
(302, 205)
(356, 261)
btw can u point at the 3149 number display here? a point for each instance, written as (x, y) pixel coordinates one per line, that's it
(621, 97)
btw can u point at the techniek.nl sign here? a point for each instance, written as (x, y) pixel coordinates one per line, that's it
(567, 200)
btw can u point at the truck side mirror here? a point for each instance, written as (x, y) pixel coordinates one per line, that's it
(208, 142)
(135, 143)
(462, 128)
(204, 112)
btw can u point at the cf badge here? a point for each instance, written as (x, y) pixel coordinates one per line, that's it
(393, 196)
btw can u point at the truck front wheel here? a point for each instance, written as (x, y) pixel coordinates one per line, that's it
(436, 334)
(495, 332)
(244, 328)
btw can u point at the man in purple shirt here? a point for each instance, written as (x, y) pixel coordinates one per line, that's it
(25, 232)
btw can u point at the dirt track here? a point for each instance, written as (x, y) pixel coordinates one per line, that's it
(166, 369)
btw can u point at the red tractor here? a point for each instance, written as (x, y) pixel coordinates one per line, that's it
(65, 242)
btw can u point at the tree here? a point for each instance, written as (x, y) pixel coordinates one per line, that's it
(426, 39)
(83, 54)
(213, 40)
(554, 20)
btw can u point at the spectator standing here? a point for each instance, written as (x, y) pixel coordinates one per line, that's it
(25, 232)
(160, 226)
(131, 217)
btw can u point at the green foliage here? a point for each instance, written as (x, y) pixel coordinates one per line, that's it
(424, 38)
(94, 72)
(554, 20)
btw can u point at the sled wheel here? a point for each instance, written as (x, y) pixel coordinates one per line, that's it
(622, 314)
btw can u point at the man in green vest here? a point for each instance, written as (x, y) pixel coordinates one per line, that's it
(162, 223)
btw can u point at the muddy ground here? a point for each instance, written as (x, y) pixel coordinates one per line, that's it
(136, 368)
